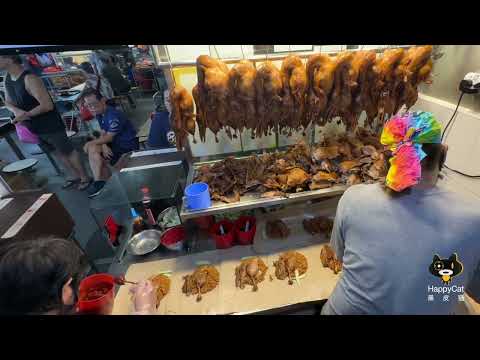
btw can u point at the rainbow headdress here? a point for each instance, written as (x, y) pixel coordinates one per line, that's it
(404, 134)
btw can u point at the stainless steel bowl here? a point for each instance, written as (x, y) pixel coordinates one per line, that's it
(144, 242)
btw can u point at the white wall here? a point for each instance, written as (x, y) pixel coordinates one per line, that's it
(463, 139)
(450, 69)
(180, 53)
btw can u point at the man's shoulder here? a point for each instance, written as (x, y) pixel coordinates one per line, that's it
(113, 113)
(363, 190)
(29, 76)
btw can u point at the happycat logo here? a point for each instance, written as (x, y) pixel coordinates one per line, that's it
(446, 269)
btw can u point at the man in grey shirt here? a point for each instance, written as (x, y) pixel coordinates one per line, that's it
(388, 242)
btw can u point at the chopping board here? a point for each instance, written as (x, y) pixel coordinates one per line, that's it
(181, 304)
(226, 298)
(138, 272)
(317, 284)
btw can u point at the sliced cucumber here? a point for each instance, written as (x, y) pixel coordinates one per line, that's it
(167, 273)
(198, 263)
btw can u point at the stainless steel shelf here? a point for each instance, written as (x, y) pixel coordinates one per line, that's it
(254, 200)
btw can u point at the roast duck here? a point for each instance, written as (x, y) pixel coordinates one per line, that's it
(265, 99)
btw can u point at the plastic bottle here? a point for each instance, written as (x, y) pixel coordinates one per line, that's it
(146, 201)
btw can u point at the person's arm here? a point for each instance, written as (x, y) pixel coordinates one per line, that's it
(35, 87)
(105, 138)
(114, 127)
(337, 240)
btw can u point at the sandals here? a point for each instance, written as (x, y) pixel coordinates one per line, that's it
(69, 183)
(84, 184)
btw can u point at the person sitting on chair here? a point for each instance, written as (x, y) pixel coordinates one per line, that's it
(120, 85)
(96, 82)
(118, 137)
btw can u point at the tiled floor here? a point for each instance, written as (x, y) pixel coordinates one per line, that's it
(76, 202)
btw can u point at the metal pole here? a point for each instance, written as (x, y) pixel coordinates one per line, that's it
(241, 141)
(276, 136)
(4, 187)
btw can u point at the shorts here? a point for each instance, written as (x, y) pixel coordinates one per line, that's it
(57, 141)
(117, 154)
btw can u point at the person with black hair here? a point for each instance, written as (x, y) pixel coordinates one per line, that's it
(120, 85)
(39, 276)
(391, 237)
(96, 82)
(118, 137)
(28, 99)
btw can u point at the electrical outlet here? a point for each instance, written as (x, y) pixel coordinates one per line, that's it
(470, 83)
(474, 77)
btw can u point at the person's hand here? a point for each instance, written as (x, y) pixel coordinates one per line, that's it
(143, 298)
(20, 116)
(107, 152)
(86, 146)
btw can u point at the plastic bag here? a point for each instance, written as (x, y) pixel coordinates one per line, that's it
(25, 135)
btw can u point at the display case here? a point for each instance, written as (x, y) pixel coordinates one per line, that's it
(123, 192)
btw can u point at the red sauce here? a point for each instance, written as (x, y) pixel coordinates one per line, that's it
(96, 291)
(173, 236)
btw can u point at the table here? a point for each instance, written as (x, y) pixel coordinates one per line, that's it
(6, 128)
(20, 165)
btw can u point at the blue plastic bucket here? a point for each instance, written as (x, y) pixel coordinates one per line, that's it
(197, 196)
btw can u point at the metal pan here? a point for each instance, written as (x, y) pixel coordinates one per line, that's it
(144, 242)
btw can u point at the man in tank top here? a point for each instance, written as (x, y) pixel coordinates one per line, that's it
(28, 99)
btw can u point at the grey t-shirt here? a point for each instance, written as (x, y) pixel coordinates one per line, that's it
(387, 245)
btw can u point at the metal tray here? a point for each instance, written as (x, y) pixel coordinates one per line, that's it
(253, 200)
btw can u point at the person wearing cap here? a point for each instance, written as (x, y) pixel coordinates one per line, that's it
(403, 242)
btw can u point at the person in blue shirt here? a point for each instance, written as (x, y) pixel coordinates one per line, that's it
(118, 137)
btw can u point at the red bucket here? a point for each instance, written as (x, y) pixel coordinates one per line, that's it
(96, 294)
(245, 237)
(223, 241)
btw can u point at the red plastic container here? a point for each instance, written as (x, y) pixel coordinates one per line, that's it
(173, 238)
(102, 305)
(204, 222)
(245, 237)
(223, 241)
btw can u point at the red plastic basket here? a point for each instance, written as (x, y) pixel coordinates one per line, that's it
(245, 237)
(223, 241)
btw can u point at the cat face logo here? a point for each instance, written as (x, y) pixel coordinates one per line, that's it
(446, 269)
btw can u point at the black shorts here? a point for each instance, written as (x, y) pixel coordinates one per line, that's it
(57, 141)
(117, 154)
